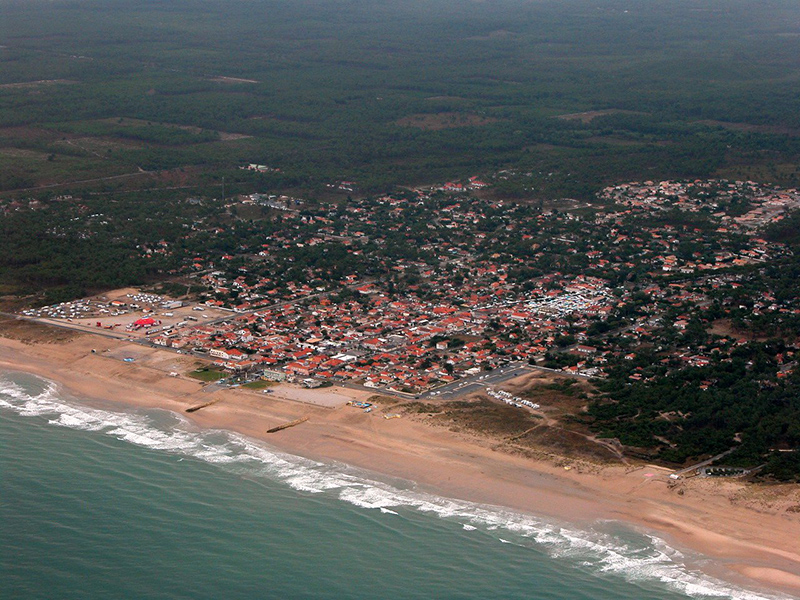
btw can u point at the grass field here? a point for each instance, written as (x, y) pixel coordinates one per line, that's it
(207, 375)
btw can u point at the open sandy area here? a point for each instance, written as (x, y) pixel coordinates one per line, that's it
(327, 397)
(753, 531)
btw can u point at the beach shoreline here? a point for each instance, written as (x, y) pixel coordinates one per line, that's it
(754, 542)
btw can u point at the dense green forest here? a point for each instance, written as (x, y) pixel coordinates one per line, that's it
(63, 250)
(675, 417)
(388, 93)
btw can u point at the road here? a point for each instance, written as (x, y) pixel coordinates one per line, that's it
(705, 463)
(94, 180)
(478, 382)
(109, 333)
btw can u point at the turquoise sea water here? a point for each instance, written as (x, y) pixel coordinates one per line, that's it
(142, 505)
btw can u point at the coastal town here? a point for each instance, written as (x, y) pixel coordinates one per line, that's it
(416, 300)
(409, 292)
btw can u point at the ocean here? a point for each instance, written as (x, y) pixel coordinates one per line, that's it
(144, 505)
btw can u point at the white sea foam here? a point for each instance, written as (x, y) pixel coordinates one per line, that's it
(649, 559)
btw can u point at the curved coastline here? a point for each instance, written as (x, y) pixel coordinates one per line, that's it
(760, 547)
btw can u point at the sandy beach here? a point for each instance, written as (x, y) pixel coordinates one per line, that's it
(752, 531)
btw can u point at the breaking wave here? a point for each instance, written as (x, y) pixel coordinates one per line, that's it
(647, 559)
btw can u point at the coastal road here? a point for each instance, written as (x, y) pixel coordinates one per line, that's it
(467, 385)
(109, 333)
(476, 383)
(560, 372)
(102, 332)
(705, 463)
(462, 387)
(495, 377)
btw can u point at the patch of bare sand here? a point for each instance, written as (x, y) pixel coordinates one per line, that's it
(327, 397)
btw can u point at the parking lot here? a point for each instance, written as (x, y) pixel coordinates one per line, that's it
(128, 313)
